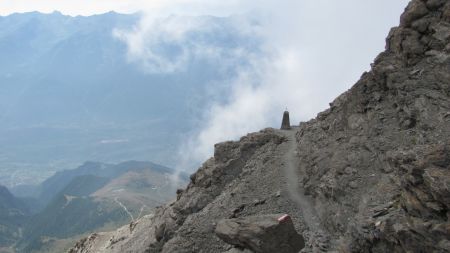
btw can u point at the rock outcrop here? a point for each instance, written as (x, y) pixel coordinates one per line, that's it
(371, 173)
(261, 233)
(368, 159)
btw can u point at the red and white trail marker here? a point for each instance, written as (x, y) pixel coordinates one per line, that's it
(284, 218)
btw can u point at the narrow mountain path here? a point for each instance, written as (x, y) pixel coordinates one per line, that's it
(318, 237)
(124, 208)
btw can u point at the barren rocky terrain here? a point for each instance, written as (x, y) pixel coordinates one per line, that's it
(370, 174)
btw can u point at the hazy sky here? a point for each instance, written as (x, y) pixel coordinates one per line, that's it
(71, 7)
(313, 50)
(89, 7)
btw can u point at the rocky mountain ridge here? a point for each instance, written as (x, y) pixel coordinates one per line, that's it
(370, 174)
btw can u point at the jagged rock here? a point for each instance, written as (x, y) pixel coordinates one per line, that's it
(434, 4)
(446, 12)
(261, 234)
(414, 11)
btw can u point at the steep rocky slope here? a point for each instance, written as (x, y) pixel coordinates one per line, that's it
(13, 215)
(370, 174)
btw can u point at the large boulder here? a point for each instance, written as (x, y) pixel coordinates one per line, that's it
(261, 234)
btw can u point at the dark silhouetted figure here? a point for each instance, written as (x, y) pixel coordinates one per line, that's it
(285, 124)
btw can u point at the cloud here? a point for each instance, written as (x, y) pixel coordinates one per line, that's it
(306, 53)
(170, 44)
(158, 44)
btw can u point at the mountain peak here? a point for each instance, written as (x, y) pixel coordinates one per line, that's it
(56, 13)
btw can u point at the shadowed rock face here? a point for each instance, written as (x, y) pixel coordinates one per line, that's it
(373, 170)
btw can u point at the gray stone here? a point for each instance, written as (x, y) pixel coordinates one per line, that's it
(261, 234)
(353, 184)
(446, 12)
(434, 4)
(236, 250)
(441, 32)
(415, 10)
(349, 170)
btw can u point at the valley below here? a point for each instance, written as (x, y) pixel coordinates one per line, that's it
(52, 216)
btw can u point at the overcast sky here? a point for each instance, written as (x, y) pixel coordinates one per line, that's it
(313, 51)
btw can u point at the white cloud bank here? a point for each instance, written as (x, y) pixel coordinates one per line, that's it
(313, 50)
(170, 44)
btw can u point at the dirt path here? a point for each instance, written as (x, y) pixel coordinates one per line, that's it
(297, 194)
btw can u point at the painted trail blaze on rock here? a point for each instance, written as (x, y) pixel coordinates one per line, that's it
(261, 234)
(285, 123)
(284, 218)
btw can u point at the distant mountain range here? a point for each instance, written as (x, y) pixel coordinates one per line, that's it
(69, 93)
(74, 202)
